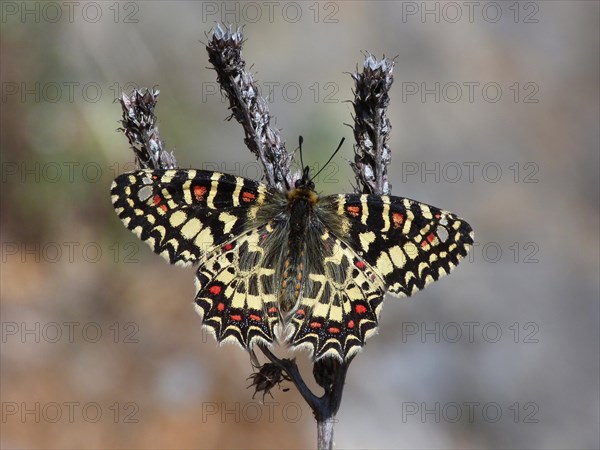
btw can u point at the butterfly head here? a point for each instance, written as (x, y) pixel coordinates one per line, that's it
(305, 182)
(304, 188)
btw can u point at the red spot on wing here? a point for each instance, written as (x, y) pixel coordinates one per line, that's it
(255, 317)
(236, 317)
(360, 264)
(228, 247)
(220, 306)
(215, 290)
(200, 192)
(398, 219)
(353, 210)
(334, 330)
(360, 309)
(315, 325)
(438, 216)
(157, 199)
(300, 312)
(272, 309)
(428, 240)
(351, 324)
(163, 207)
(248, 197)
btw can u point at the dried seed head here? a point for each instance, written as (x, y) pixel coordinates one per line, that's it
(371, 125)
(268, 376)
(139, 125)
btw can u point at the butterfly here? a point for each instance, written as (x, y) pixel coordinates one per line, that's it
(308, 270)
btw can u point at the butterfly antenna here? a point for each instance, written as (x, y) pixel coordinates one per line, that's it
(300, 142)
(329, 160)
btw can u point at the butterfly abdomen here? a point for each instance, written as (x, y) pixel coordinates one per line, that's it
(301, 203)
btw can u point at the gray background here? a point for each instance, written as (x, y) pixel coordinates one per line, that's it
(513, 331)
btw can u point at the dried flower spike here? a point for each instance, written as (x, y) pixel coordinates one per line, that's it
(247, 106)
(371, 125)
(139, 125)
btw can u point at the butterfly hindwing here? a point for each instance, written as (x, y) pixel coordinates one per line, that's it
(183, 214)
(236, 290)
(341, 299)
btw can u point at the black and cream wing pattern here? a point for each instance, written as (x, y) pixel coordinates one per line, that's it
(291, 266)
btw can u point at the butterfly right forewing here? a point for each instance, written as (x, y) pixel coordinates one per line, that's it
(183, 214)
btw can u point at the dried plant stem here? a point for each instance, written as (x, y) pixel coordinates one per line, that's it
(325, 434)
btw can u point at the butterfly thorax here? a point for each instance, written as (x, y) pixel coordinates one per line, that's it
(301, 201)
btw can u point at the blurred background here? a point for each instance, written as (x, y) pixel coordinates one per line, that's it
(495, 115)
